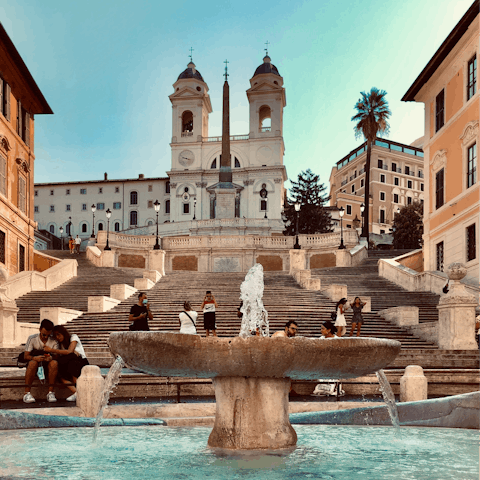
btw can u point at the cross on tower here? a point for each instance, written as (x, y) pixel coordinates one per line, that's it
(226, 69)
(267, 43)
(191, 52)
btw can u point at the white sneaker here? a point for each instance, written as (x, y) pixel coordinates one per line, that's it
(72, 398)
(28, 398)
(51, 397)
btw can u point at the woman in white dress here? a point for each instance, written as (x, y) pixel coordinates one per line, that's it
(340, 321)
(188, 320)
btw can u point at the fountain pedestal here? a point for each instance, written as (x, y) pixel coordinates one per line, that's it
(252, 413)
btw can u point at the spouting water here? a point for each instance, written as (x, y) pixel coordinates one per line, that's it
(111, 381)
(389, 397)
(255, 317)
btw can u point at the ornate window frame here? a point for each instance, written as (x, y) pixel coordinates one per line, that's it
(468, 137)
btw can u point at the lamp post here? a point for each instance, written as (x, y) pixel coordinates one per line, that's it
(342, 213)
(398, 210)
(61, 236)
(194, 208)
(94, 208)
(297, 209)
(108, 213)
(157, 209)
(362, 208)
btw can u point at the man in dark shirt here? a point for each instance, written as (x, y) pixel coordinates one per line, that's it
(139, 314)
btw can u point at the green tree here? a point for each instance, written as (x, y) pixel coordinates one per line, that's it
(408, 226)
(312, 217)
(372, 119)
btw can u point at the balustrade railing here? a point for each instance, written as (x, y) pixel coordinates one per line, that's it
(187, 134)
(265, 129)
(232, 138)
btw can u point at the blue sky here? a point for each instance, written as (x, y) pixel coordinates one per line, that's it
(107, 67)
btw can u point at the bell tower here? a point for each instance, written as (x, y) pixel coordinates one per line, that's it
(267, 100)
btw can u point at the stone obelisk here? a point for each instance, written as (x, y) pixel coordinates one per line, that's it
(225, 192)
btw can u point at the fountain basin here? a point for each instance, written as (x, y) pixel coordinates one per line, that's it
(252, 376)
(298, 358)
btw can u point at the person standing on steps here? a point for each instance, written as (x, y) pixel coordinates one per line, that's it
(71, 245)
(78, 242)
(209, 305)
(340, 321)
(139, 314)
(357, 319)
(188, 320)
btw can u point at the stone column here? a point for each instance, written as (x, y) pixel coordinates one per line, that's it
(298, 260)
(156, 261)
(343, 258)
(89, 390)
(108, 258)
(252, 413)
(456, 312)
(413, 385)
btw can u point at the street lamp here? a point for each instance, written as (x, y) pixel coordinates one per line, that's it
(108, 213)
(194, 207)
(94, 209)
(297, 209)
(398, 210)
(342, 213)
(61, 236)
(362, 208)
(157, 209)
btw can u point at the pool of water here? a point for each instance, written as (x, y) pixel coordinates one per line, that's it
(326, 452)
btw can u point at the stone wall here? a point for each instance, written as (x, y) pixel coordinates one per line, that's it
(185, 262)
(323, 260)
(131, 261)
(270, 263)
(413, 260)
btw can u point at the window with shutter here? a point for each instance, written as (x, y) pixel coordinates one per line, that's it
(439, 186)
(2, 246)
(22, 194)
(3, 175)
(19, 118)
(26, 128)
(6, 101)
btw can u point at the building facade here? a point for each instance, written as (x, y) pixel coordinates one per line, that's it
(448, 86)
(131, 201)
(396, 179)
(20, 100)
(187, 195)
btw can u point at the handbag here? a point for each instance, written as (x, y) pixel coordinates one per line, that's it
(191, 319)
(333, 315)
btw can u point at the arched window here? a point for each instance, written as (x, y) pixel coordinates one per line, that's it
(167, 206)
(149, 223)
(133, 218)
(265, 119)
(117, 226)
(84, 228)
(133, 198)
(237, 163)
(187, 123)
(100, 226)
(52, 228)
(214, 164)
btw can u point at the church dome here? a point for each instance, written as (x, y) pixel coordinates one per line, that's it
(191, 72)
(266, 67)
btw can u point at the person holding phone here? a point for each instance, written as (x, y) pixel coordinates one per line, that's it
(139, 314)
(209, 305)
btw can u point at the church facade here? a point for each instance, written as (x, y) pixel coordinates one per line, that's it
(188, 195)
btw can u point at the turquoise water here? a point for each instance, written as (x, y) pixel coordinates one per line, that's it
(326, 452)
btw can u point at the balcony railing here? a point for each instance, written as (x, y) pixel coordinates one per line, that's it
(344, 182)
(420, 175)
(187, 134)
(265, 129)
(232, 138)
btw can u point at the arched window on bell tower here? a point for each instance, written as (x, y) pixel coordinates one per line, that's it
(187, 123)
(265, 119)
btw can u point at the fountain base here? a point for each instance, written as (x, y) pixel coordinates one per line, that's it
(252, 414)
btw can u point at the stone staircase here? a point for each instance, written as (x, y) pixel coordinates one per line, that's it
(283, 299)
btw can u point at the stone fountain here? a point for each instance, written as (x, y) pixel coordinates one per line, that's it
(252, 374)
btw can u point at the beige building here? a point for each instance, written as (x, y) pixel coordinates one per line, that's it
(396, 179)
(448, 87)
(20, 100)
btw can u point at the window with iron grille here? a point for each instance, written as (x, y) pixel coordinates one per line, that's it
(3, 175)
(471, 244)
(471, 165)
(2, 247)
(440, 111)
(22, 194)
(21, 258)
(439, 187)
(472, 77)
(440, 259)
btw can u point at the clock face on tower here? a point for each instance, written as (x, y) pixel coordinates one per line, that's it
(186, 158)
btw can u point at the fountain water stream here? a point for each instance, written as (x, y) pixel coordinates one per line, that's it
(389, 397)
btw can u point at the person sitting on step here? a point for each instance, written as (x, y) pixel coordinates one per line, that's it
(39, 361)
(71, 358)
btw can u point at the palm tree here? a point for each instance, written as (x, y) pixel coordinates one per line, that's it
(372, 117)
